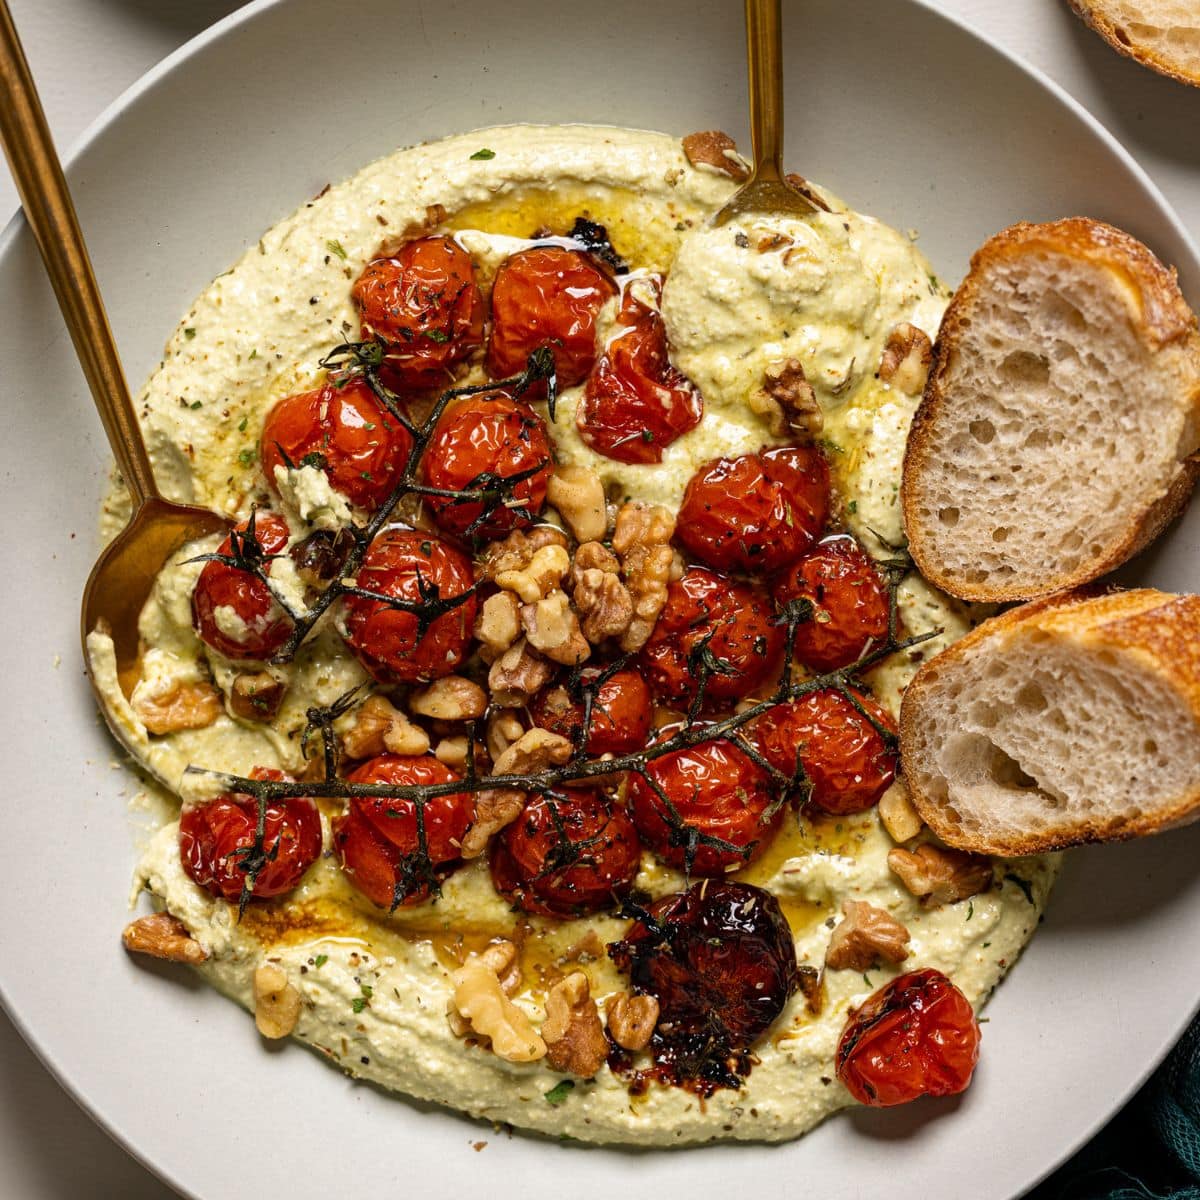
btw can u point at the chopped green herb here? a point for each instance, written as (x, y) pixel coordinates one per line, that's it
(367, 990)
(196, 404)
(254, 354)
(189, 333)
(559, 1092)
(320, 960)
(314, 459)
(365, 475)
(867, 980)
(484, 153)
(242, 424)
(1023, 884)
(358, 1003)
(437, 335)
(246, 457)
(970, 909)
(336, 247)
(852, 506)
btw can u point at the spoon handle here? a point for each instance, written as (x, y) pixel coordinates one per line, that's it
(764, 53)
(51, 215)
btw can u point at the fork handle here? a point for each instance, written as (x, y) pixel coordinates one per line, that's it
(51, 215)
(764, 54)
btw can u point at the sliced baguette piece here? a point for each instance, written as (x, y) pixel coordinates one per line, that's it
(1072, 719)
(1057, 432)
(1163, 35)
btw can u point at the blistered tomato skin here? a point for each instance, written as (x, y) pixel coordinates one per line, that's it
(378, 838)
(621, 717)
(343, 431)
(490, 435)
(850, 603)
(217, 836)
(756, 513)
(741, 631)
(567, 855)
(424, 305)
(915, 1036)
(721, 962)
(635, 403)
(547, 296)
(252, 625)
(715, 790)
(846, 762)
(392, 644)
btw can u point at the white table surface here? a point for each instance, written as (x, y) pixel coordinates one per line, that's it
(84, 53)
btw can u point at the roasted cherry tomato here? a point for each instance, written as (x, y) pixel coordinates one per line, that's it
(378, 838)
(714, 790)
(915, 1036)
(850, 603)
(343, 431)
(846, 762)
(563, 857)
(547, 296)
(424, 305)
(622, 711)
(397, 645)
(232, 610)
(476, 442)
(635, 403)
(216, 842)
(758, 512)
(734, 621)
(721, 962)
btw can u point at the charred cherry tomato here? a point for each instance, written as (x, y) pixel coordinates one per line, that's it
(378, 839)
(216, 842)
(635, 403)
(343, 431)
(424, 305)
(734, 621)
(758, 512)
(720, 960)
(565, 857)
(232, 610)
(915, 1036)
(716, 791)
(547, 296)
(622, 711)
(845, 761)
(850, 603)
(477, 441)
(395, 645)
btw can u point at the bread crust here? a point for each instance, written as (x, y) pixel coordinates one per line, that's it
(1159, 629)
(1161, 318)
(1093, 15)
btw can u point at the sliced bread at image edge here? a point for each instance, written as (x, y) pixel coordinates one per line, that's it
(1058, 431)
(1071, 719)
(1163, 35)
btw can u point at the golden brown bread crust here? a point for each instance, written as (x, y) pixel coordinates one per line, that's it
(1098, 20)
(1160, 629)
(1160, 316)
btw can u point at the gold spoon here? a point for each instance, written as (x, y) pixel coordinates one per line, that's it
(123, 575)
(766, 189)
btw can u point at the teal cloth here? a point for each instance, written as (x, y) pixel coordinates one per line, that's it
(1151, 1150)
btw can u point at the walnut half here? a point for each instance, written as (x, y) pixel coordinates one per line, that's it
(712, 148)
(184, 706)
(572, 1031)
(631, 1019)
(941, 876)
(866, 935)
(642, 540)
(480, 1000)
(161, 935)
(906, 358)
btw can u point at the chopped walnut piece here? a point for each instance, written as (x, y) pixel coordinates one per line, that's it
(900, 818)
(812, 986)
(806, 189)
(631, 1019)
(518, 675)
(184, 706)
(495, 808)
(256, 695)
(866, 935)
(452, 751)
(642, 540)
(379, 726)
(276, 1002)
(578, 494)
(503, 728)
(541, 576)
(498, 625)
(712, 148)
(534, 751)
(552, 627)
(593, 556)
(572, 1030)
(605, 604)
(906, 358)
(516, 553)
(787, 402)
(941, 876)
(161, 935)
(479, 1000)
(587, 949)
(451, 698)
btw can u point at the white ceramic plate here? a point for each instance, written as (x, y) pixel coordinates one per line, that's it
(902, 112)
